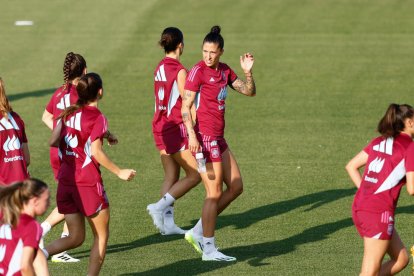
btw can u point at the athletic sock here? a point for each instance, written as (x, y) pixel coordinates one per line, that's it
(46, 253)
(169, 216)
(209, 245)
(45, 227)
(198, 228)
(164, 202)
(64, 234)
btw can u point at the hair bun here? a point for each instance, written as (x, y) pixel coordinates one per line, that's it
(215, 29)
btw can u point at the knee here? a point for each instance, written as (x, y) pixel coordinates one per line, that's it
(403, 259)
(76, 239)
(236, 188)
(214, 195)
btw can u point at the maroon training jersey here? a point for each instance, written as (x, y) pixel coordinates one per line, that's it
(167, 115)
(80, 130)
(211, 86)
(384, 174)
(12, 241)
(12, 136)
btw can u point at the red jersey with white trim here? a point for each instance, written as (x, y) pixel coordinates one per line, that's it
(12, 136)
(61, 99)
(167, 115)
(12, 241)
(384, 174)
(211, 86)
(80, 130)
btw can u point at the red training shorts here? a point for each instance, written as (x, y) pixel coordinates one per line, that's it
(174, 141)
(212, 147)
(87, 200)
(374, 225)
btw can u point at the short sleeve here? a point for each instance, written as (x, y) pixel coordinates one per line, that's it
(194, 79)
(99, 128)
(50, 106)
(31, 234)
(368, 147)
(409, 158)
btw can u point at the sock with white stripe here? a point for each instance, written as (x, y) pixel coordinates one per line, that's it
(198, 228)
(164, 202)
(45, 227)
(209, 245)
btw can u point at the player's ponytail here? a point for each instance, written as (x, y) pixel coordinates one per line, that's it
(392, 123)
(88, 88)
(214, 36)
(171, 37)
(4, 102)
(73, 67)
(14, 196)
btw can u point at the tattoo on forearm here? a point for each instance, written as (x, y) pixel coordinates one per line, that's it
(247, 87)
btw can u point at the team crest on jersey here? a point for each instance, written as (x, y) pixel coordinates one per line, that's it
(376, 165)
(223, 94)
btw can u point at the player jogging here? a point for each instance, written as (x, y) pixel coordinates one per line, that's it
(206, 85)
(387, 160)
(81, 193)
(170, 134)
(14, 152)
(20, 233)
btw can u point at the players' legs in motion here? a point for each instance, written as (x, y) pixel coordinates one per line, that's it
(53, 219)
(99, 223)
(173, 188)
(398, 256)
(374, 251)
(76, 226)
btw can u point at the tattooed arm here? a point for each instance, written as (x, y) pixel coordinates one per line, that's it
(186, 108)
(247, 87)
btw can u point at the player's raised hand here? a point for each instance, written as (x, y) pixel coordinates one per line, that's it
(127, 174)
(246, 62)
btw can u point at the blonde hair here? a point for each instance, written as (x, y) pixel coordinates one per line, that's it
(5, 106)
(14, 196)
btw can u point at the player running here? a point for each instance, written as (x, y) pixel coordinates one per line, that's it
(387, 160)
(14, 152)
(206, 85)
(80, 192)
(20, 233)
(169, 133)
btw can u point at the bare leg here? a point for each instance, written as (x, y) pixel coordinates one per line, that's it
(187, 161)
(374, 251)
(171, 172)
(233, 180)
(100, 227)
(76, 225)
(40, 264)
(55, 217)
(399, 256)
(213, 183)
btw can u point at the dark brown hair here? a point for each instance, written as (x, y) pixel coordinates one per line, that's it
(393, 121)
(14, 196)
(73, 67)
(171, 37)
(88, 88)
(4, 102)
(214, 36)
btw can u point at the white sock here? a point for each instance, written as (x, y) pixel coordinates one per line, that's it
(169, 216)
(64, 234)
(164, 202)
(209, 245)
(45, 227)
(45, 252)
(198, 228)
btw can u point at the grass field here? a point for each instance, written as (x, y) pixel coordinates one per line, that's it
(325, 72)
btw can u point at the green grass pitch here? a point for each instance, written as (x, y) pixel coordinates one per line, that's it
(325, 72)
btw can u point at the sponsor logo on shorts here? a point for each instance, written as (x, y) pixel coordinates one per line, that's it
(390, 229)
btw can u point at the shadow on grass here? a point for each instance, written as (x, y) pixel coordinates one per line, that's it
(31, 94)
(256, 254)
(241, 220)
